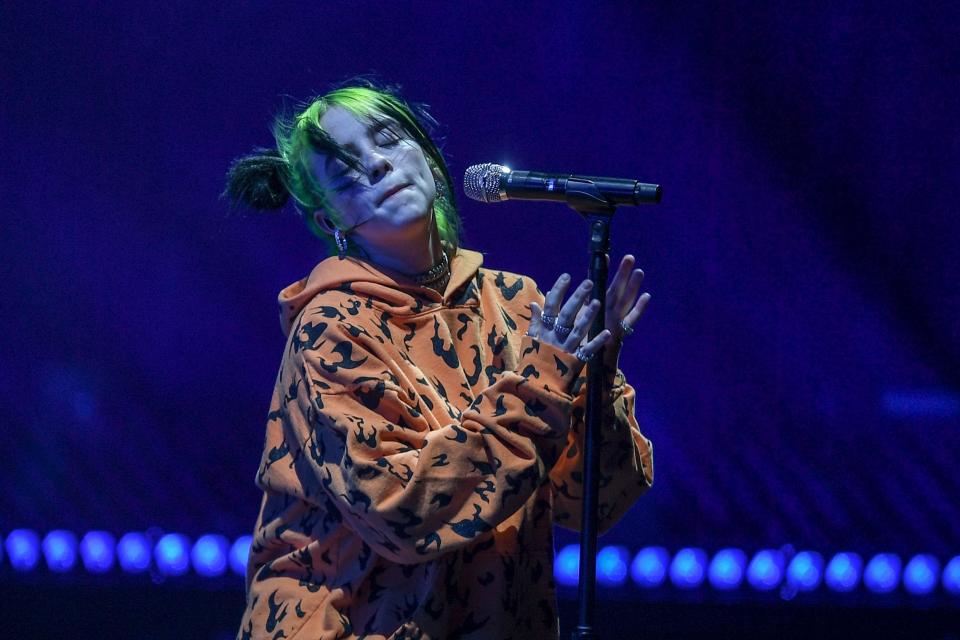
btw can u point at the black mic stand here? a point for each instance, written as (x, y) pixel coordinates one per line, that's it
(584, 197)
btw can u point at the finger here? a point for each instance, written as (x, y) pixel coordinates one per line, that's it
(571, 308)
(630, 292)
(593, 346)
(615, 290)
(552, 300)
(534, 328)
(633, 316)
(582, 325)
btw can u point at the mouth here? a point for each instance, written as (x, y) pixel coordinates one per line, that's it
(392, 191)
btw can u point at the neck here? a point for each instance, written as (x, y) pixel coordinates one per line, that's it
(410, 255)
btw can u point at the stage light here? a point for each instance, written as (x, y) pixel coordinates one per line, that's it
(96, 551)
(951, 576)
(23, 549)
(612, 566)
(805, 571)
(566, 567)
(649, 567)
(133, 552)
(688, 567)
(60, 550)
(882, 573)
(843, 572)
(920, 574)
(766, 570)
(239, 553)
(726, 569)
(172, 552)
(209, 555)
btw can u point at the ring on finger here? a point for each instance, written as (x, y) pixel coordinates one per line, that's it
(581, 356)
(562, 330)
(548, 321)
(627, 330)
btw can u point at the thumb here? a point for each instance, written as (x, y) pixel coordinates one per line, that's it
(535, 313)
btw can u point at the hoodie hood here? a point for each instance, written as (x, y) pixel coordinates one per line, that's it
(387, 289)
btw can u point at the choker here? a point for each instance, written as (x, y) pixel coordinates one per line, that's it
(434, 273)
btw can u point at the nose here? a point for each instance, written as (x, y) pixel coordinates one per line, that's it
(378, 166)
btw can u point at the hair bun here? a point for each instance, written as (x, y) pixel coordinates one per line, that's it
(258, 180)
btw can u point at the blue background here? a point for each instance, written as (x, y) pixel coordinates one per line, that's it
(798, 368)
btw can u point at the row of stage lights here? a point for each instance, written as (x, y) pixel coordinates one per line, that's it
(213, 555)
(766, 570)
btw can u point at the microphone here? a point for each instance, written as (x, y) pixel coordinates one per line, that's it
(493, 183)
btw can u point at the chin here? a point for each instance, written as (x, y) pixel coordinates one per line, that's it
(407, 218)
(410, 213)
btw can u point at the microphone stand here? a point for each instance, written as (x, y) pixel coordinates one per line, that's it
(585, 199)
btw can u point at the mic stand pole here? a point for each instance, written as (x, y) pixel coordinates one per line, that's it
(587, 201)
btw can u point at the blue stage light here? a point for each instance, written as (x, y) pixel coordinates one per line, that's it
(96, 551)
(60, 550)
(688, 568)
(766, 570)
(843, 572)
(612, 566)
(23, 549)
(805, 571)
(882, 573)
(239, 553)
(172, 552)
(209, 555)
(951, 576)
(566, 567)
(649, 567)
(920, 574)
(726, 569)
(133, 551)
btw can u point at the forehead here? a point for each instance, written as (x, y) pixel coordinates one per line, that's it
(345, 127)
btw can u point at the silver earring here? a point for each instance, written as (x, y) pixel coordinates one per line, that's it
(341, 241)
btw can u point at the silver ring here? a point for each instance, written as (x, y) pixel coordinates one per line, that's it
(562, 331)
(626, 330)
(581, 356)
(548, 321)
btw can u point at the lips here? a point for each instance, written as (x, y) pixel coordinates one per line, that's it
(392, 191)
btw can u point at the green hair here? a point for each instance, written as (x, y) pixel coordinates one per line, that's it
(268, 177)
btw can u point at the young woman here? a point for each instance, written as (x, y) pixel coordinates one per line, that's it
(424, 433)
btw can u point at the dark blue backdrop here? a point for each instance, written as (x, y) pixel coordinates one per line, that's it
(798, 366)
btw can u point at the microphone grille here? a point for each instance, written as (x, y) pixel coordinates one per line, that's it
(482, 182)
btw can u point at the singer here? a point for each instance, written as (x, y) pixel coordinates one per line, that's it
(424, 432)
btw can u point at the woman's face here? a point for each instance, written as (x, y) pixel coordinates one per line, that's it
(394, 190)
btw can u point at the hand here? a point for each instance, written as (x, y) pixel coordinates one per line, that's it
(623, 306)
(567, 326)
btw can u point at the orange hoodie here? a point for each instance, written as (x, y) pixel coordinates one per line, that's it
(419, 448)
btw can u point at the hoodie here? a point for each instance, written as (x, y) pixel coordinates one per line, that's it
(419, 448)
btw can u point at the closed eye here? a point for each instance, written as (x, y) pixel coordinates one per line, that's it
(345, 181)
(387, 138)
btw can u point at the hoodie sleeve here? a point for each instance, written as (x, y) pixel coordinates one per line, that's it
(410, 491)
(626, 461)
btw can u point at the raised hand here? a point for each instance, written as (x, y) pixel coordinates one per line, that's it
(623, 308)
(566, 326)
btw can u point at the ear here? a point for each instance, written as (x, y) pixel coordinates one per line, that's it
(323, 222)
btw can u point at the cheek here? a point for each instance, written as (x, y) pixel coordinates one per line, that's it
(345, 209)
(425, 173)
